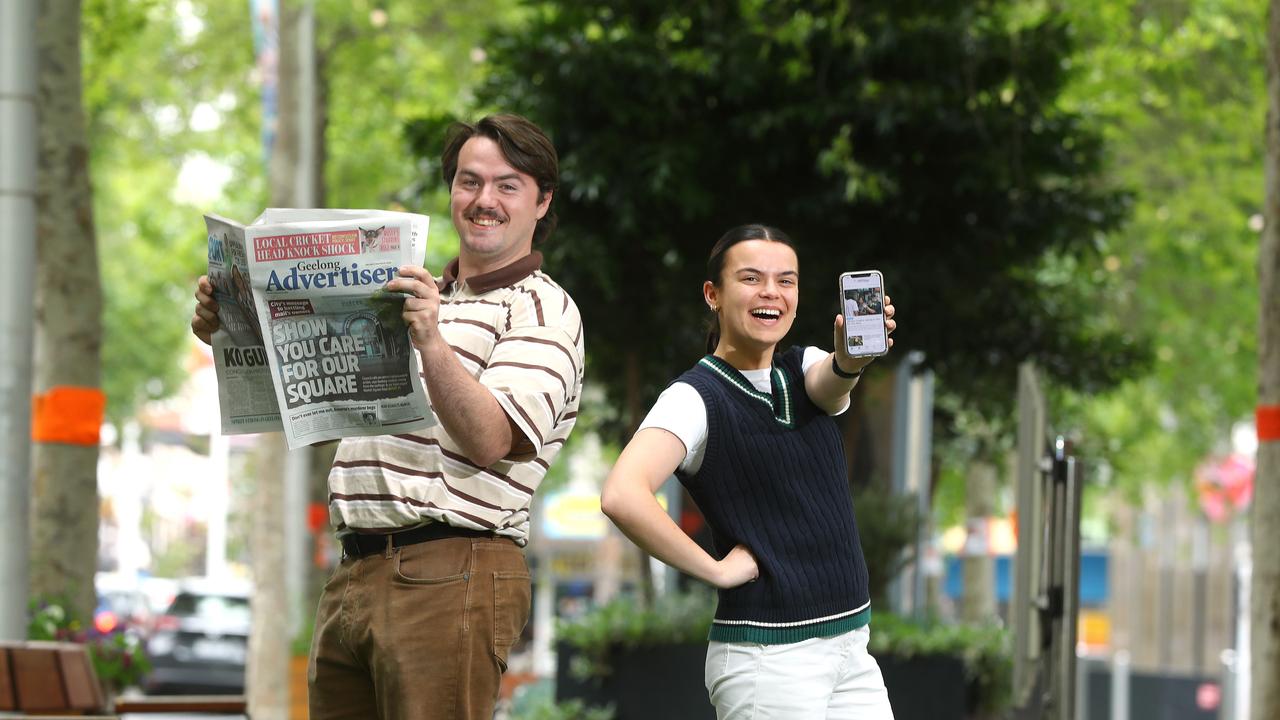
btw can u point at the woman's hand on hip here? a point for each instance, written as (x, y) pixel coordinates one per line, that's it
(737, 568)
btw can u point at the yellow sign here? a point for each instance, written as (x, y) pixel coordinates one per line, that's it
(575, 515)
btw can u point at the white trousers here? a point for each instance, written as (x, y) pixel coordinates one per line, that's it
(833, 678)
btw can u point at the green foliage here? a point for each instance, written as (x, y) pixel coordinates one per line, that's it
(539, 703)
(1180, 85)
(174, 119)
(153, 134)
(118, 658)
(923, 139)
(626, 622)
(50, 620)
(686, 618)
(984, 651)
(384, 63)
(887, 526)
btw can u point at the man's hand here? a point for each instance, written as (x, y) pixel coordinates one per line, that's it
(422, 310)
(847, 362)
(737, 568)
(205, 322)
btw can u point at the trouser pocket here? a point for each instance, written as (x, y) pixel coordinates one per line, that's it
(511, 599)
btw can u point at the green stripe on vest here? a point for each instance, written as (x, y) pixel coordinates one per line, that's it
(790, 634)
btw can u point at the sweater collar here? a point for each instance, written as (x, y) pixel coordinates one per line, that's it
(781, 401)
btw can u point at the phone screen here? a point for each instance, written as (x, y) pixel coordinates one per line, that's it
(862, 300)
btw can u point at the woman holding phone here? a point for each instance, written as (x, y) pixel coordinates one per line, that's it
(748, 431)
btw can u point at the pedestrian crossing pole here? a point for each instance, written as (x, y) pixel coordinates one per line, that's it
(17, 270)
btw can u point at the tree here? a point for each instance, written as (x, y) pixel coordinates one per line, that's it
(166, 147)
(170, 145)
(919, 138)
(923, 139)
(1265, 602)
(68, 348)
(1154, 78)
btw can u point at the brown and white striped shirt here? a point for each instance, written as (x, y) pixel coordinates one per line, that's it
(520, 335)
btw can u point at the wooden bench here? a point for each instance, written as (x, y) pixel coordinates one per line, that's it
(57, 680)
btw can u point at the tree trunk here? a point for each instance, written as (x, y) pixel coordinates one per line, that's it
(267, 676)
(978, 601)
(64, 522)
(1265, 601)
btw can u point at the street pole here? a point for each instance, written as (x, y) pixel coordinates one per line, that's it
(297, 463)
(17, 268)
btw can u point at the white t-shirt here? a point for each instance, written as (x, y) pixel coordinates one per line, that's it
(679, 410)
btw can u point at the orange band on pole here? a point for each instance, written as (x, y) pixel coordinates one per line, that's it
(70, 415)
(1268, 421)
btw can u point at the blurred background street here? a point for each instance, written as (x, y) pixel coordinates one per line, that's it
(1065, 474)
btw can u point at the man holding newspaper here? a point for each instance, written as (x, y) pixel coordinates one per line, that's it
(433, 589)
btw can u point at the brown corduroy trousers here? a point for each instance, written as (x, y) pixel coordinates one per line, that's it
(420, 632)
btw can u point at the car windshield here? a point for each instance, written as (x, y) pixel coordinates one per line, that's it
(121, 603)
(220, 609)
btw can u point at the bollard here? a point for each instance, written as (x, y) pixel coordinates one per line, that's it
(1227, 711)
(1120, 685)
(1082, 685)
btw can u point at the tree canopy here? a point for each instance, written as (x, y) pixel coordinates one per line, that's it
(162, 146)
(924, 139)
(1178, 89)
(173, 96)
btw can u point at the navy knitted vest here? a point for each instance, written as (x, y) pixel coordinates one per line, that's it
(773, 478)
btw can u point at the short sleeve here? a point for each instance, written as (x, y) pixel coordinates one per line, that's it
(813, 356)
(679, 410)
(534, 373)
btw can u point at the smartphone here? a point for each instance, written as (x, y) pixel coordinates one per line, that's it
(862, 302)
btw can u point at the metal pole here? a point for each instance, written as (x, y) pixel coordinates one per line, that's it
(900, 477)
(1228, 709)
(666, 577)
(297, 463)
(1070, 588)
(304, 189)
(1244, 649)
(18, 266)
(544, 588)
(215, 556)
(912, 434)
(921, 469)
(1027, 563)
(1082, 688)
(1120, 685)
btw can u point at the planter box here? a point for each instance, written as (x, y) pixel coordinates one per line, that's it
(926, 687)
(658, 681)
(666, 681)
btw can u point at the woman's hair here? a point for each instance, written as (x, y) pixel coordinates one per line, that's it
(715, 263)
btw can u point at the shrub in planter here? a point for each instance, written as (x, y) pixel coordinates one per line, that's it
(887, 526)
(620, 652)
(617, 654)
(118, 658)
(980, 653)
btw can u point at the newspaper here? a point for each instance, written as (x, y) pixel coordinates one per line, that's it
(310, 343)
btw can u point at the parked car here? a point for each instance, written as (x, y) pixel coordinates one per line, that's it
(199, 644)
(122, 605)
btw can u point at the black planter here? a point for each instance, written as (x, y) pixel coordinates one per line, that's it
(666, 681)
(657, 681)
(926, 687)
